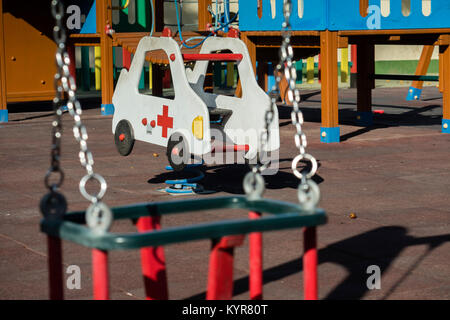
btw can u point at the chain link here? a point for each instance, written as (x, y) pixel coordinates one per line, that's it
(65, 88)
(308, 191)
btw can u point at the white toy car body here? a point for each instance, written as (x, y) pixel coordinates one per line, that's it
(155, 120)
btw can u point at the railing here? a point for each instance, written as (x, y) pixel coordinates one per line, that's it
(267, 15)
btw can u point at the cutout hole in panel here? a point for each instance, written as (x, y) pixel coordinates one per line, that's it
(406, 7)
(363, 6)
(426, 7)
(385, 8)
(300, 8)
(273, 5)
(259, 8)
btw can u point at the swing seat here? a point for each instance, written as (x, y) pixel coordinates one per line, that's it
(224, 235)
(283, 215)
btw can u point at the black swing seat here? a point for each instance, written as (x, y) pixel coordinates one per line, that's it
(281, 215)
(220, 112)
(218, 115)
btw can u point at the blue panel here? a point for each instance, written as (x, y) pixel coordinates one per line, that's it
(3, 115)
(314, 17)
(364, 118)
(413, 94)
(330, 135)
(107, 109)
(270, 77)
(90, 25)
(445, 125)
(342, 15)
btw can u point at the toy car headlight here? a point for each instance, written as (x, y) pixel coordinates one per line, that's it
(197, 127)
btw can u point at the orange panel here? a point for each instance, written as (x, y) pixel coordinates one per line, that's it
(2, 63)
(29, 52)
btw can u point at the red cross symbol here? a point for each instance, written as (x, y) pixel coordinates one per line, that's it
(165, 121)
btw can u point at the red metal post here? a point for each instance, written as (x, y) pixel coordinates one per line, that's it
(55, 268)
(73, 62)
(310, 263)
(153, 263)
(354, 68)
(228, 148)
(100, 274)
(256, 262)
(212, 56)
(220, 278)
(126, 58)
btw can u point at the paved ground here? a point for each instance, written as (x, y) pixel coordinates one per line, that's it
(395, 176)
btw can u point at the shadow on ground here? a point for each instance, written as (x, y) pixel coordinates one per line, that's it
(228, 178)
(45, 108)
(379, 246)
(393, 116)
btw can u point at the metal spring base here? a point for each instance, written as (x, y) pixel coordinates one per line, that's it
(187, 185)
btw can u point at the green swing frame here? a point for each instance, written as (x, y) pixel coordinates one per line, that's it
(283, 215)
(265, 215)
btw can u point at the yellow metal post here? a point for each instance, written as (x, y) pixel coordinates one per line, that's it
(230, 74)
(344, 65)
(98, 67)
(310, 70)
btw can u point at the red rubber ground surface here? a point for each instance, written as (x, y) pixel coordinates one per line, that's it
(395, 176)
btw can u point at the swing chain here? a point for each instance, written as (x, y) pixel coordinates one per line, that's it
(308, 191)
(55, 167)
(65, 87)
(254, 185)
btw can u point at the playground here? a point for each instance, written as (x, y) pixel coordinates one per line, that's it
(352, 205)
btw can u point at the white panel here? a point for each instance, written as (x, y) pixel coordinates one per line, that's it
(132, 12)
(115, 13)
(78, 57)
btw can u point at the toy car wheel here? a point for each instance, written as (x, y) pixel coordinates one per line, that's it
(124, 137)
(177, 152)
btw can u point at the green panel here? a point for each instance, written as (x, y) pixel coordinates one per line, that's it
(142, 9)
(85, 69)
(403, 67)
(143, 18)
(299, 68)
(123, 2)
(142, 80)
(217, 65)
(407, 77)
(283, 215)
(114, 64)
